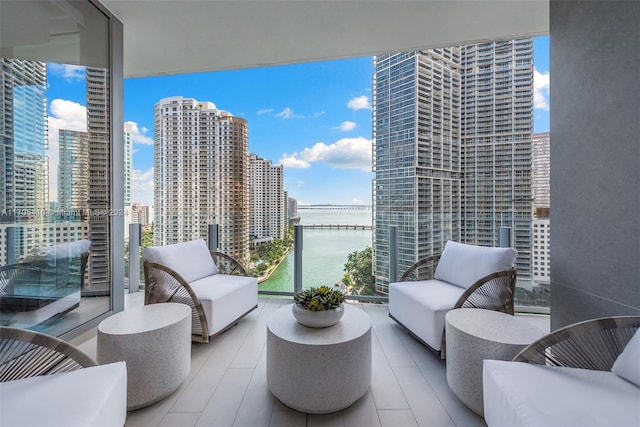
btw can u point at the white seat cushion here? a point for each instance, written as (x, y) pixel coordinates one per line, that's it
(191, 260)
(421, 307)
(627, 365)
(95, 396)
(225, 298)
(523, 394)
(463, 265)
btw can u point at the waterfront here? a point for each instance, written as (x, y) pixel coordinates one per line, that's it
(324, 250)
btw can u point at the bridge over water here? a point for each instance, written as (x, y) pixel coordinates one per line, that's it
(336, 207)
(337, 226)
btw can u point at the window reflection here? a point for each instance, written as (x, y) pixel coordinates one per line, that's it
(55, 149)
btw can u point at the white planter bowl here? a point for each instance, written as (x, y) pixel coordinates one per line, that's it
(317, 319)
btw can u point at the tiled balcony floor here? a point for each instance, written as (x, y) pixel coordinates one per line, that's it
(227, 384)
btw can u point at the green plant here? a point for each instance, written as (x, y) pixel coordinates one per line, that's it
(319, 299)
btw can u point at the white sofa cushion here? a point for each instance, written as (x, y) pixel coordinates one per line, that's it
(523, 394)
(95, 396)
(421, 307)
(191, 260)
(627, 365)
(225, 298)
(463, 265)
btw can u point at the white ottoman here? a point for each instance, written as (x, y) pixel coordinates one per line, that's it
(155, 341)
(473, 335)
(319, 370)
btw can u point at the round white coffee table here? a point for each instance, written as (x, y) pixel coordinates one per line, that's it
(473, 335)
(319, 370)
(155, 341)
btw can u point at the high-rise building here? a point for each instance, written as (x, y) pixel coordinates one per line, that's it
(541, 254)
(201, 167)
(292, 210)
(73, 171)
(416, 134)
(128, 168)
(99, 179)
(268, 202)
(497, 122)
(24, 188)
(540, 171)
(452, 151)
(141, 214)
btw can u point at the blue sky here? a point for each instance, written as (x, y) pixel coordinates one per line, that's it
(314, 118)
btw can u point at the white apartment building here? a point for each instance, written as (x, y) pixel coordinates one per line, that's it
(541, 252)
(268, 200)
(140, 214)
(201, 166)
(540, 169)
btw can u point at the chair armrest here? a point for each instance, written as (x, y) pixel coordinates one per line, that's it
(495, 291)
(227, 264)
(27, 353)
(421, 270)
(593, 344)
(163, 284)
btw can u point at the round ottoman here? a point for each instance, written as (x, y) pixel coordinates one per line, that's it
(155, 341)
(473, 335)
(319, 370)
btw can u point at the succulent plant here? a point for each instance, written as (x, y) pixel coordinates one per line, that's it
(319, 299)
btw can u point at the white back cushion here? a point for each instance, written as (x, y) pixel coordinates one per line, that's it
(627, 365)
(462, 265)
(191, 260)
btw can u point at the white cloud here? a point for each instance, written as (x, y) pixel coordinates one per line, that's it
(287, 113)
(357, 201)
(69, 72)
(67, 115)
(292, 161)
(540, 90)
(346, 153)
(359, 103)
(138, 135)
(264, 111)
(347, 126)
(142, 186)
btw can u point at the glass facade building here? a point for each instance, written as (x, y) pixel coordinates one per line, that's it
(452, 150)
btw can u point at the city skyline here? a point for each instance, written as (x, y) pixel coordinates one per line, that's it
(312, 118)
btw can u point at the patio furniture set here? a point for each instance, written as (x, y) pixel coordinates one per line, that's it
(497, 364)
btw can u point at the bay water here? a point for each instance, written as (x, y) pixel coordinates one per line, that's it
(324, 251)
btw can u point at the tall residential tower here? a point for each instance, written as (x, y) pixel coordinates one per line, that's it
(416, 134)
(268, 199)
(201, 166)
(452, 150)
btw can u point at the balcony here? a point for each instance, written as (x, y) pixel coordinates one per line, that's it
(227, 382)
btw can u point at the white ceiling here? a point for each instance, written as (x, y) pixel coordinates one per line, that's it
(173, 36)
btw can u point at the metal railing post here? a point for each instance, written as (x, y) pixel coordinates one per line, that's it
(212, 237)
(297, 258)
(135, 240)
(393, 253)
